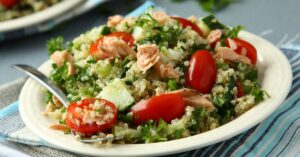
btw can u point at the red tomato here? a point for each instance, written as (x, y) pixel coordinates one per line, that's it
(92, 128)
(8, 3)
(251, 51)
(126, 37)
(166, 107)
(240, 91)
(186, 23)
(202, 71)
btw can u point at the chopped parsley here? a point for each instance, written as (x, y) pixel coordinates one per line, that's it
(197, 116)
(48, 97)
(151, 132)
(247, 72)
(106, 30)
(62, 121)
(63, 110)
(172, 84)
(127, 118)
(162, 35)
(123, 67)
(258, 93)
(93, 60)
(233, 32)
(225, 108)
(55, 44)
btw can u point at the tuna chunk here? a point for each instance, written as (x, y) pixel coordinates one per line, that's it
(195, 99)
(147, 56)
(114, 20)
(228, 54)
(160, 16)
(166, 71)
(114, 47)
(60, 57)
(214, 36)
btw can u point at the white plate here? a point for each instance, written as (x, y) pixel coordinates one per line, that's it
(39, 17)
(274, 74)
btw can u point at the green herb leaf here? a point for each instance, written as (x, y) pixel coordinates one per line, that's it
(258, 93)
(59, 74)
(177, 134)
(197, 117)
(151, 132)
(63, 110)
(106, 30)
(233, 33)
(247, 72)
(172, 84)
(93, 60)
(218, 100)
(123, 67)
(48, 97)
(223, 103)
(62, 121)
(55, 44)
(127, 118)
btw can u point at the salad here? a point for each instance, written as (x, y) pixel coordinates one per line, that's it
(11, 9)
(152, 78)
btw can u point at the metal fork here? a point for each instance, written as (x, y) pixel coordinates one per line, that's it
(47, 83)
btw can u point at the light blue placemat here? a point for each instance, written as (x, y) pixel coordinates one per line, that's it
(278, 135)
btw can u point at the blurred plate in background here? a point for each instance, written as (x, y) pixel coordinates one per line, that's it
(46, 19)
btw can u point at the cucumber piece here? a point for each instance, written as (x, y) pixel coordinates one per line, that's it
(212, 22)
(117, 93)
(205, 29)
(137, 33)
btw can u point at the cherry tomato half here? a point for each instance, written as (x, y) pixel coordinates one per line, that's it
(202, 71)
(8, 3)
(166, 107)
(240, 91)
(186, 23)
(251, 52)
(74, 118)
(126, 37)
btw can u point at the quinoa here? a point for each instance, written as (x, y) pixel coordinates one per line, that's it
(113, 73)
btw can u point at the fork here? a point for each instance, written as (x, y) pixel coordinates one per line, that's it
(47, 83)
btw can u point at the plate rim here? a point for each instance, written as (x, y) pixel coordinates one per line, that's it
(176, 149)
(39, 17)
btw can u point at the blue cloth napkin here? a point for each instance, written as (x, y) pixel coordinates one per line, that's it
(278, 135)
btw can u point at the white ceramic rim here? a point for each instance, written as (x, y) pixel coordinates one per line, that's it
(39, 17)
(271, 62)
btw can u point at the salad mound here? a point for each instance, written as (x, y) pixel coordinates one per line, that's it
(152, 78)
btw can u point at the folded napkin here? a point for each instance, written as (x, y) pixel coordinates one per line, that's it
(278, 135)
